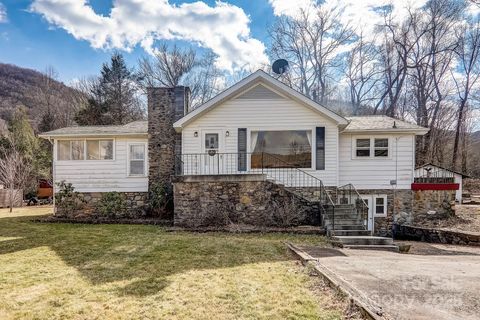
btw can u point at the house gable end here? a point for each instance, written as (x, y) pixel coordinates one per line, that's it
(247, 88)
(260, 92)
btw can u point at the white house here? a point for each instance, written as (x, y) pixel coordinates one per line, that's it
(229, 134)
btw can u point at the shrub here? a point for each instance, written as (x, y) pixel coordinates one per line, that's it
(160, 203)
(67, 200)
(112, 204)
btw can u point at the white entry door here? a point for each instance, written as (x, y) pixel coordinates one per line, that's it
(369, 200)
(212, 159)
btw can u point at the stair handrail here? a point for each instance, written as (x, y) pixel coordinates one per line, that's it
(358, 200)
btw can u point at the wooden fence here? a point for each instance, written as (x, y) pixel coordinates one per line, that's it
(5, 198)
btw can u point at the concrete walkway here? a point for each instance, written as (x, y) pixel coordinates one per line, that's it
(433, 281)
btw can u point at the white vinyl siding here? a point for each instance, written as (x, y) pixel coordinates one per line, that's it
(376, 172)
(264, 114)
(103, 175)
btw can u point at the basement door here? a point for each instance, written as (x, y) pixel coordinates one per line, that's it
(212, 159)
(369, 200)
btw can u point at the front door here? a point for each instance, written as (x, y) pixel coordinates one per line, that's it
(370, 220)
(212, 159)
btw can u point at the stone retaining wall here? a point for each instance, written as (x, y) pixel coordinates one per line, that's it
(436, 236)
(135, 203)
(221, 200)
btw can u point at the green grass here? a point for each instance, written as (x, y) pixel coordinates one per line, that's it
(72, 271)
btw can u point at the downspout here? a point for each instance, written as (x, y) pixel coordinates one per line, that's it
(53, 174)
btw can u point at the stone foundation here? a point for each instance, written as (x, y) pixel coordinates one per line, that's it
(221, 200)
(135, 203)
(402, 205)
(412, 207)
(433, 204)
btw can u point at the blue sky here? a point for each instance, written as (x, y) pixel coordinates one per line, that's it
(27, 39)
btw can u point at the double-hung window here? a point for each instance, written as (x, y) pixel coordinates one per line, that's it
(371, 148)
(380, 207)
(136, 160)
(363, 148)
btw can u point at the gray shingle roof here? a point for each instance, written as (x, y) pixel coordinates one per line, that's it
(132, 128)
(380, 123)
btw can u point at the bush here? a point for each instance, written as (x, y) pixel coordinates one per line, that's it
(67, 200)
(160, 203)
(112, 204)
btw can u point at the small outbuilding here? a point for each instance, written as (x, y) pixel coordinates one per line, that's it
(434, 174)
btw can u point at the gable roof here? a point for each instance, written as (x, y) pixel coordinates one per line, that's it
(381, 123)
(129, 129)
(249, 82)
(429, 164)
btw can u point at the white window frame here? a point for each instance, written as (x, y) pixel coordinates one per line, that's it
(385, 205)
(84, 149)
(145, 160)
(356, 148)
(100, 139)
(372, 148)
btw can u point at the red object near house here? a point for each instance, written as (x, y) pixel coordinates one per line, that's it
(435, 186)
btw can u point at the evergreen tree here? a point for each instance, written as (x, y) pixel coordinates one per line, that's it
(113, 97)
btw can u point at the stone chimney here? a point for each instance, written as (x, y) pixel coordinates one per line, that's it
(165, 106)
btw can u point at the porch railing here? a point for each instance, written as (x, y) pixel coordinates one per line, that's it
(433, 175)
(272, 166)
(348, 194)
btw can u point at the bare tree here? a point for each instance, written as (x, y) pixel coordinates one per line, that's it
(468, 56)
(362, 73)
(171, 67)
(168, 67)
(15, 171)
(312, 43)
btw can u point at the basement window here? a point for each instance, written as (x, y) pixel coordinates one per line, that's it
(380, 206)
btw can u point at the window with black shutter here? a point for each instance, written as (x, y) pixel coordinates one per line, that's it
(320, 148)
(242, 149)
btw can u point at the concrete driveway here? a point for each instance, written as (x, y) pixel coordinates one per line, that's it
(433, 281)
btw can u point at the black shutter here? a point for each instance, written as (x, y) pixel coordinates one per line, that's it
(242, 149)
(320, 148)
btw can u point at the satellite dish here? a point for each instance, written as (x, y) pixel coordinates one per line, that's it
(280, 66)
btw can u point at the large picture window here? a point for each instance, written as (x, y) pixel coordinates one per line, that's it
(281, 149)
(85, 150)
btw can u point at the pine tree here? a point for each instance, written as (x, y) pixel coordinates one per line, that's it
(113, 97)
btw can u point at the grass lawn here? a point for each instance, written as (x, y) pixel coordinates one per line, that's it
(73, 271)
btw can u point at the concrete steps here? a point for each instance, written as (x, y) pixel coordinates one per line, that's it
(357, 232)
(391, 248)
(365, 242)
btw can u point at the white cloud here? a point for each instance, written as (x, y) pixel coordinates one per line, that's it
(287, 8)
(362, 15)
(223, 28)
(3, 13)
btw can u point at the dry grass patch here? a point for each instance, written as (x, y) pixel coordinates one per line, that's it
(65, 271)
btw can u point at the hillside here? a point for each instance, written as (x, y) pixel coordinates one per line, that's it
(21, 87)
